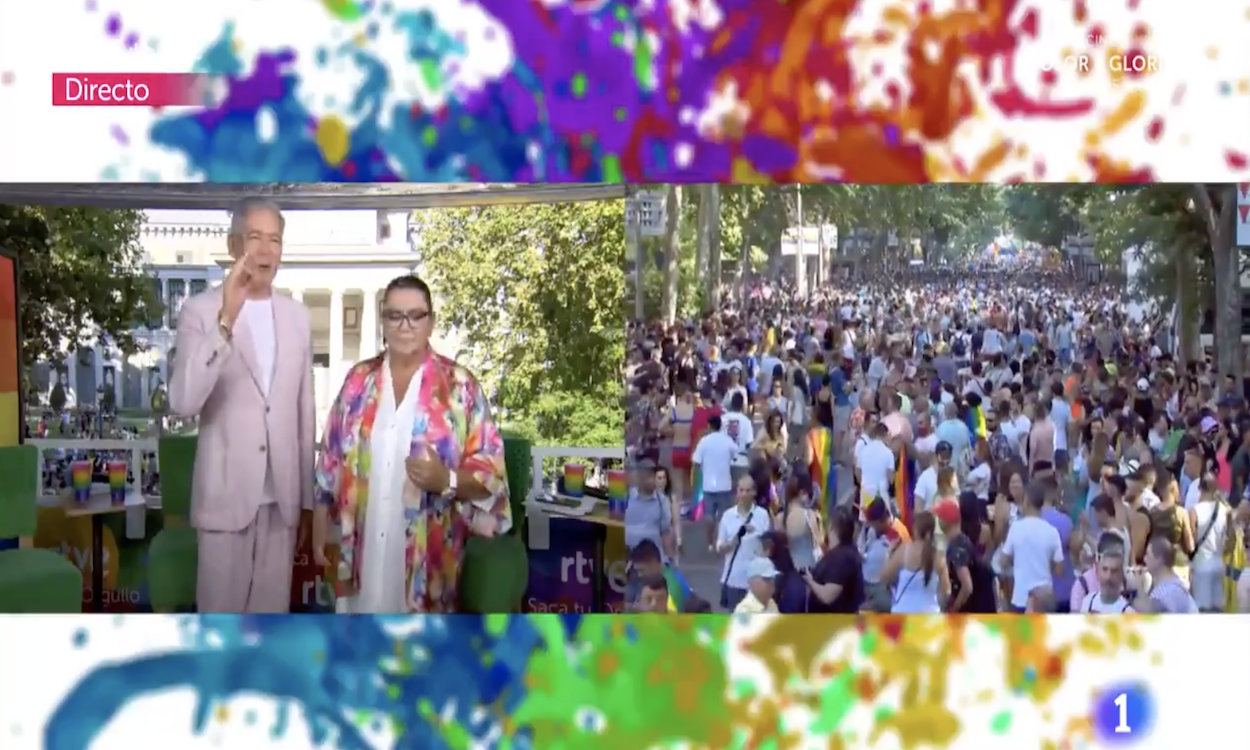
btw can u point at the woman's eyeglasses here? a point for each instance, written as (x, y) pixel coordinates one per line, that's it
(396, 318)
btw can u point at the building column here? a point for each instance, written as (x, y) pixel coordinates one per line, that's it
(336, 339)
(368, 323)
(71, 378)
(119, 380)
(98, 355)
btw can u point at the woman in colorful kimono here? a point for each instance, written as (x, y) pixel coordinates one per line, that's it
(411, 463)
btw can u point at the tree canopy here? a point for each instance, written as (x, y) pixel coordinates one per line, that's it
(537, 292)
(719, 225)
(82, 277)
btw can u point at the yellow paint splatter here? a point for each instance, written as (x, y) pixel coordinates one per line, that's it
(334, 139)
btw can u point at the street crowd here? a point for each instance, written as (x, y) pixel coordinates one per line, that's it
(983, 439)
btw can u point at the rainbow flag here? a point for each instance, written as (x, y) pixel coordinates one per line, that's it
(1234, 568)
(697, 508)
(905, 487)
(678, 588)
(976, 422)
(823, 469)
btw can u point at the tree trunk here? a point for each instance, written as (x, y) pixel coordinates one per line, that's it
(800, 270)
(714, 265)
(1188, 310)
(1220, 229)
(633, 240)
(701, 233)
(672, 248)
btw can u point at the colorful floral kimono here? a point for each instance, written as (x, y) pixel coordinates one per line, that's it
(454, 419)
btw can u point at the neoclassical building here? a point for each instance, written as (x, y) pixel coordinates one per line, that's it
(335, 262)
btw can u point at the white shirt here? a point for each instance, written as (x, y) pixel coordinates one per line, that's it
(739, 429)
(730, 521)
(876, 468)
(926, 488)
(979, 481)
(1033, 545)
(1192, 495)
(714, 454)
(1061, 414)
(382, 567)
(259, 316)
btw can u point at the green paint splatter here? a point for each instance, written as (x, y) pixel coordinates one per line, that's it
(431, 74)
(429, 136)
(836, 701)
(869, 642)
(612, 171)
(1001, 723)
(644, 65)
(578, 85)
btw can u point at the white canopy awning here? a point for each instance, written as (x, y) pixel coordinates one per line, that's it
(324, 195)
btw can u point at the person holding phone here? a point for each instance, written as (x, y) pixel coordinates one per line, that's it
(738, 541)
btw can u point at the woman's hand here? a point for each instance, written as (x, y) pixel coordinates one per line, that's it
(427, 471)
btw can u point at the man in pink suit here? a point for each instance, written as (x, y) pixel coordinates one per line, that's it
(243, 365)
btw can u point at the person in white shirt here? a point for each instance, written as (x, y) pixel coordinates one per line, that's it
(738, 542)
(1109, 598)
(1032, 550)
(926, 491)
(1061, 416)
(738, 427)
(876, 466)
(714, 455)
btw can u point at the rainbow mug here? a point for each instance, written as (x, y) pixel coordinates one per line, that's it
(118, 471)
(618, 491)
(80, 481)
(574, 480)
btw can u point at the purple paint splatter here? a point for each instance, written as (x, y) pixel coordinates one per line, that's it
(114, 25)
(132, 40)
(119, 135)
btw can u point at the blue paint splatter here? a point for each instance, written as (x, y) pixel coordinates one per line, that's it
(331, 667)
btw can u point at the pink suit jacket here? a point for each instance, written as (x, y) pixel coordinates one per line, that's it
(241, 430)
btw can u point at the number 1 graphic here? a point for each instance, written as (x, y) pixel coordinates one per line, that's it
(1121, 702)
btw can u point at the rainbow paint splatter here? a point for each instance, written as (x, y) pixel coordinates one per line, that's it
(631, 682)
(725, 90)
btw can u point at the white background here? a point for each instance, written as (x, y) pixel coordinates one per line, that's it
(1197, 45)
(1204, 660)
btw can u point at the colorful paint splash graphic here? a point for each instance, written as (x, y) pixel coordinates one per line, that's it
(728, 90)
(628, 682)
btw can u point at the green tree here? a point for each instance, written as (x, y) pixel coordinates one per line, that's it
(538, 293)
(82, 277)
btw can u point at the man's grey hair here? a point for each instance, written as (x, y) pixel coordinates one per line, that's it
(245, 207)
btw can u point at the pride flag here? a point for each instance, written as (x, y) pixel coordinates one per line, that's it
(697, 509)
(823, 469)
(905, 487)
(976, 422)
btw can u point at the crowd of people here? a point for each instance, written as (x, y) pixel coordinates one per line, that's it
(976, 440)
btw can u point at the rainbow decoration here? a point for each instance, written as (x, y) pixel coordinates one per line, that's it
(80, 480)
(905, 487)
(697, 507)
(823, 468)
(10, 400)
(117, 471)
(574, 480)
(618, 491)
(976, 422)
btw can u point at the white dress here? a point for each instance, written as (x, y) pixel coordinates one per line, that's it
(382, 584)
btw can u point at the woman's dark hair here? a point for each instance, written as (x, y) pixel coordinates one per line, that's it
(800, 381)
(843, 524)
(774, 416)
(926, 529)
(778, 546)
(410, 281)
